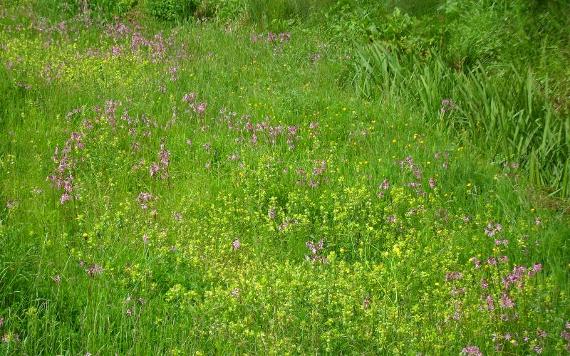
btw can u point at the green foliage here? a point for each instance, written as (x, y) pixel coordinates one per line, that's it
(169, 10)
(188, 188)
(112, 7)
(503, 110)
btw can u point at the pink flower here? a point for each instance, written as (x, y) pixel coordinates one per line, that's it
(507, 302)
(200, 108)
(472, 351)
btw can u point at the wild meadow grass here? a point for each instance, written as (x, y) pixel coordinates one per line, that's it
(212, 187)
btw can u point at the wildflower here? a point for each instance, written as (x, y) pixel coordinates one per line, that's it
(56, 279)
(200, 108)
(565, 334)
(144, 198)
(164, 156)
(457, 291)
(145, 239)
(538, 221)
(453, 276)
(271, 213)
(493, 228)
(490, 303)
(515, 276)
(492, 261)
(366, 303)
(432, 183)
(476, 262)
(315, 249)
(116, 51)
(447, 105)
(129, 312)
(472, 351)
(94, 270)
(537, 349)
(236, 244)
(541, 333)
(1, 322)
(507, 302)
(65, 197)
(391, 219)
(177, 216)
(537, 267)
(235, 292)
(154, 169)
(385, 185)
(501, 242)
(484, 284)
(190, 97)
(504, 259)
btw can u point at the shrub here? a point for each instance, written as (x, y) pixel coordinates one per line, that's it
(169, 10)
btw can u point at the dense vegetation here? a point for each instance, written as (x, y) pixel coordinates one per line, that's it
(287, 176)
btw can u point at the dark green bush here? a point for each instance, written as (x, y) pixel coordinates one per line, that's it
(169, 10)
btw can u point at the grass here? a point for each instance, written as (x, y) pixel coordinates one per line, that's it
(190, 224)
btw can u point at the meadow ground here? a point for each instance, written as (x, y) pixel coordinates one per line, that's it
(210, 188)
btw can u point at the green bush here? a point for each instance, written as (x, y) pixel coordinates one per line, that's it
(169, 10)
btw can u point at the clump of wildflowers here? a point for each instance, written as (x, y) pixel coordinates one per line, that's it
(315, 249)
(471, 351)
(162, 165)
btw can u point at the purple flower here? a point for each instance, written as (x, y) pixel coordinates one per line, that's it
(200, 108)
(472, 351)
(94, 270)
(236, 244)
(537, 267)
(190, 97)
(484, 284)
(64, 198)
(447, 105)
(453, 276)
(493, 228)
(490, 303)
(385, 185)
(492, 261)
(515, 276)
(507, 302)
(144, 198)
(154, 169)
(432, 183)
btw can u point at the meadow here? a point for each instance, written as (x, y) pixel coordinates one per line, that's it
(284, 177)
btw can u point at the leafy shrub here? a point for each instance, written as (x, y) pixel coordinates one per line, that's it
(169, 10)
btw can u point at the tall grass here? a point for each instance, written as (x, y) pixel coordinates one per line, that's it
(502, 109)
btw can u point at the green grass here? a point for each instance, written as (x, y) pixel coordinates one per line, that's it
(293, 147)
